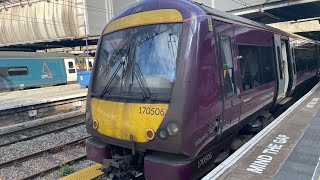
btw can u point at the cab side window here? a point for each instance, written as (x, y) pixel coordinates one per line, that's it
(228, 68)
(18, 71)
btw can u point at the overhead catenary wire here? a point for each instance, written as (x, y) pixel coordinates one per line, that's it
(92, 7)
(79, 7)
(241, 2)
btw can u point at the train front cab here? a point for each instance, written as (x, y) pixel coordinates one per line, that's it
(25, 71)
(179, 141)
(138, 118)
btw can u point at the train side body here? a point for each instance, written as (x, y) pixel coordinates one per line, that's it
(31, 71)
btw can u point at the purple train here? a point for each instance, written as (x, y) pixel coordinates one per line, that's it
(175, 81)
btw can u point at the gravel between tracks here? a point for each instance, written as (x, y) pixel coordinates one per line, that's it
(40, 143)
(41, 163)
(55, 175)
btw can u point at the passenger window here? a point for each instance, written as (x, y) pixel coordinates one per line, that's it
(256, 66)
(228, 69)
(70, 65)
(266, 64)
(17, 71)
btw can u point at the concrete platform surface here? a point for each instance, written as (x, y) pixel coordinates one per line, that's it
(287, 149)
(14, 99)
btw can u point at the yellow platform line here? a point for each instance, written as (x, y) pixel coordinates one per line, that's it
(88, 173)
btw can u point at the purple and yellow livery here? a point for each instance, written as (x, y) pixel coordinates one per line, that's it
(174, 82)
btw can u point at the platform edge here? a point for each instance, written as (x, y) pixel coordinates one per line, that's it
(231, 160)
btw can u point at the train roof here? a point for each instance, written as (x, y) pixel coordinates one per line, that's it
(229, 16)
(49, 54)
(18, 53)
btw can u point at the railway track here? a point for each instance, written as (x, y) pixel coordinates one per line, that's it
(42, 152)
(55, 140)
(47, 153)
(24, 112)
(56, 167)
(40, 130)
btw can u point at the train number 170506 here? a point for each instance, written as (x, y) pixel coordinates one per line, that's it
(151, 111)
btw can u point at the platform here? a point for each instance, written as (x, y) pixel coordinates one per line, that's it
(14, 99)
(287, 149)
(91, 172)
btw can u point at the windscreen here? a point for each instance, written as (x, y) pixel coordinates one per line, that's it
(138, 62)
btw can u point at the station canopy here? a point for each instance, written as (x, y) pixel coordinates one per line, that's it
(43, 45)
(275, 11)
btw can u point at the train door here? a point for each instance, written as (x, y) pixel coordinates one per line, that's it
(282, 66)
(292, 67)
(232, 98)
(318, 59)
(70, 69)
(89, 62)
(285, 64)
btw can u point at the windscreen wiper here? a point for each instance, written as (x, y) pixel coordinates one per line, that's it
(141, 81)
(121, 64)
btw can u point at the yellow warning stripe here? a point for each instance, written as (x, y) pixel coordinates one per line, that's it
(91, 172)
(144, 18)
(127, 120)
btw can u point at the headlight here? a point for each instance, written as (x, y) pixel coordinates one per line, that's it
(163, 134)
(173, 129)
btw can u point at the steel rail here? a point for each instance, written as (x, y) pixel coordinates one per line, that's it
(43, 124)
(40, 134)
(35, 175)
(48, 150)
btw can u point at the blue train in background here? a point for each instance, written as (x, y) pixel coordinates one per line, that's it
(23, 70)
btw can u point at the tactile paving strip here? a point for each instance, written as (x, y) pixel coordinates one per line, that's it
(91, 172)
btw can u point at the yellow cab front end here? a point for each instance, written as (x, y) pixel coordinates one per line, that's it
(133, 79)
